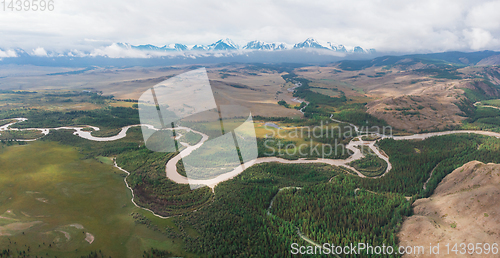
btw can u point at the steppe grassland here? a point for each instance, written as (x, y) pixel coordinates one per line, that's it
(263, 87)
(123, 83)
(40, 100)
(393, 82)
(48, 194)
(258, 91)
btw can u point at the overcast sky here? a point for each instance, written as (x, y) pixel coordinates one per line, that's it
(392, 25)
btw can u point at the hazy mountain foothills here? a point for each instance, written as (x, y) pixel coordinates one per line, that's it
(411, 93)
(464, 208)
(271, 205)
(248, 85)
(414, 93)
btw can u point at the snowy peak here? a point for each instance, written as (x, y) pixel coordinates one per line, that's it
(310, 43)
(149, 47)
(338, 48)
(360, 50)
(124, 45)
(179, 47)
(261, 45)
(223, 44)
(200, 47)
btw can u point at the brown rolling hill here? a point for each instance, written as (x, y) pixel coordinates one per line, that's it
(465, 208)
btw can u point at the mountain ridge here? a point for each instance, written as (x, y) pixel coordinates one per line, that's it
(223, 47)
(228, 44)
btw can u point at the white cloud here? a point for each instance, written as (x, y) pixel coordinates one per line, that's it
(116, 51)
(7, 53)
(479, 39)
(76, 53)
(387, 25)
(485, 16)
(39, 51)
(126, 51)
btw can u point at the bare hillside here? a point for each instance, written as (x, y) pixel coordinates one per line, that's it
(464, 208)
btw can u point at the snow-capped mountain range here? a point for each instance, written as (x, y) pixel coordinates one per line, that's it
(228, 44)
(221, 48)
(261, 45)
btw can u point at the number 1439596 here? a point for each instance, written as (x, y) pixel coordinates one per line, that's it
(470, 248)
(27, 5)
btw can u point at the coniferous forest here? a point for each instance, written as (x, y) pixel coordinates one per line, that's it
(413, 161)
(239, 222)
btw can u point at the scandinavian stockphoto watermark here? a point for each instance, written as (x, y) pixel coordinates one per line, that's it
(326, 139)
(367, 249)
(181, 115)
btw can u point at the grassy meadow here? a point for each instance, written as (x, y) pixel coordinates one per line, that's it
(55, 204)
